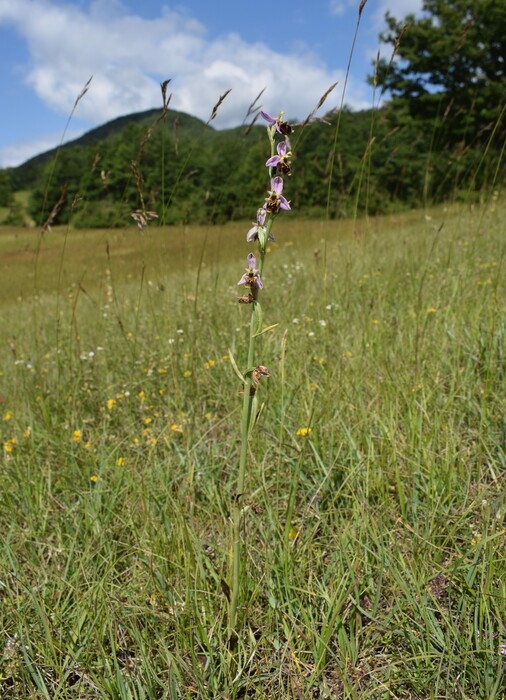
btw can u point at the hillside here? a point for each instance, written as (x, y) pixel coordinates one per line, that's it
(27, 172)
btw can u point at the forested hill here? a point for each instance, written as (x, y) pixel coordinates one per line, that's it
(187, 171)
(26, 175)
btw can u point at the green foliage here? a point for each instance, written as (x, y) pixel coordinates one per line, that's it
(449, 68)
(191, 162)
(6, 188)
(382, 160)
(15, 216)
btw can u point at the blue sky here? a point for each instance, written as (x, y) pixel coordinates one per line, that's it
(295, 50)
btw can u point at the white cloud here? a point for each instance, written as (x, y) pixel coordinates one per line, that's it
(397, 8)
(129, 56)
(17, 153)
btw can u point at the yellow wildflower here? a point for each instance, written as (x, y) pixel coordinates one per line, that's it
(110, 403)
(187, 373)
(176, 428)
(120, 462)
(8, 415)
(9, 444)
(431, 310)
(294, 531)
(94, 478)
(304, 432)
(77, 436)
(209, 364)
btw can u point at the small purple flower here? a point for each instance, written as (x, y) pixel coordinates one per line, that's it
(275, 201)
(259, 227)
(280, 162)
(281, 126)
(251, 277)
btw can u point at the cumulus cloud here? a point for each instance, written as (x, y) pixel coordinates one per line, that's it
(129, 56)
(17, 153)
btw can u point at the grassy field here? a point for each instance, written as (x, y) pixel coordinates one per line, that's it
(375, 512)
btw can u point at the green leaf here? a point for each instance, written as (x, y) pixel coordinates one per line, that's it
(257, 318)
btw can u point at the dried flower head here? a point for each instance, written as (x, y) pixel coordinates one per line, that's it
(260, 372)
(246, 299)
(142, 217)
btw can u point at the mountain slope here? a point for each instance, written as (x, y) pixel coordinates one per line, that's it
(25, 174)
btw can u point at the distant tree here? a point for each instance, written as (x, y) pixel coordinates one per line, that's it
(450, 66)
(58, 186)
(5, 188)
(16, 215)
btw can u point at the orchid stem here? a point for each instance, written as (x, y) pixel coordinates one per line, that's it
(237, 503)
(252, 280)
(245, 430)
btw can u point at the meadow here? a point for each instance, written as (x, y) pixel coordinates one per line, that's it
(375, 506)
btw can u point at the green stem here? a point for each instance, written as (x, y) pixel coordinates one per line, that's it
(237, 504)
(245, 430)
